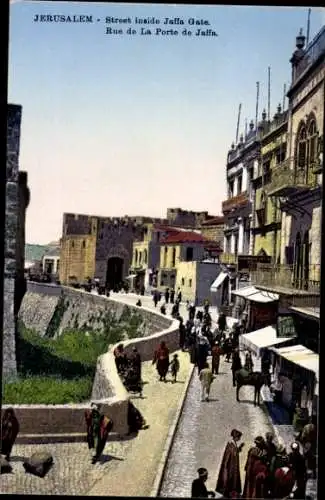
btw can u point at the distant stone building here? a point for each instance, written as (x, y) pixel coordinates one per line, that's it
(17, 199)
(102, 247)
(213, 229)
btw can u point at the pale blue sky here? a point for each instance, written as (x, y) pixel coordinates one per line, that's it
(116, 125)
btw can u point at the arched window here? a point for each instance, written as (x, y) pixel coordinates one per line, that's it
(301, 148)
(312, 143)
(145, 256)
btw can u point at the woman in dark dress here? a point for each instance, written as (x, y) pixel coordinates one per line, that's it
(161, 358)
(10, 429)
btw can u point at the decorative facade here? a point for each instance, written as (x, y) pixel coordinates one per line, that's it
(296, 184)
(267, 213)
(237, 209)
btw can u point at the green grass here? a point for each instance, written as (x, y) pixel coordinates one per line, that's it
(61, 370)
(47, 390)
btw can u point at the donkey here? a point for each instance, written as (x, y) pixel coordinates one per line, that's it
(255, 379)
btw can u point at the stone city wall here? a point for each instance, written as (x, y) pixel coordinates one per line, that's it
(47, 307)
(108, 389)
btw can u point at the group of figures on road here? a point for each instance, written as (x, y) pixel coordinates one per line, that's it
(270, 472)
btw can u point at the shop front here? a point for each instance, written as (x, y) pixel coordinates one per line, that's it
(297, 369)
(259, 307)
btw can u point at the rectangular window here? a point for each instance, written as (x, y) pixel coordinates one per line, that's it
(183, 281)
(189, 254)
(190, 283)
(239, 184)
(231, 189)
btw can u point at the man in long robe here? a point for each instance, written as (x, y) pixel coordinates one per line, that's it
(161, 358)
(216, 353)
(98, 428)
(229, 483)
(256, 470)
(235, 365)
(10, 429)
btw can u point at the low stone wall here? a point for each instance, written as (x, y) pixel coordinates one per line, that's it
(67, 419)
(108, 389)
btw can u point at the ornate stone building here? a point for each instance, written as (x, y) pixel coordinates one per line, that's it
(17, 199)
(102, 247)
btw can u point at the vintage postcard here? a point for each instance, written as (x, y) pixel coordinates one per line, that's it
(163, 250)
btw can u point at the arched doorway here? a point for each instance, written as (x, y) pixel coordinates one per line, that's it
(114, 273)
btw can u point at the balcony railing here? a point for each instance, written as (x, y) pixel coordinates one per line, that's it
(313, 51)
(275, 124)
(288, 278)
(287, 181)
(235, 202)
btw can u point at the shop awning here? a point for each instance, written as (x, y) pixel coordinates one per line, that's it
(301, 356)
(260, 339)
(218, 282)
(255, 295)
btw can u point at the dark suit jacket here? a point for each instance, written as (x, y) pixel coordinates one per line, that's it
(199, 489)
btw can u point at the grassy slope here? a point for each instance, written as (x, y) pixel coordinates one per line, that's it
(61, 371)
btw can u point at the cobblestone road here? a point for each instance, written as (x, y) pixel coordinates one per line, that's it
(204, 430)
(128, 467)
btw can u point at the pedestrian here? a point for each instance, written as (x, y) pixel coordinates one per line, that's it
(192, 310)
(135, 362)
(229, 482)
(179, 295)
(163, 309)
(98, 428)
(279, 460)
(256, 470)
(155, 298)
(199, 316)
(161, 359)
(270, 446)
(182, 334)
(203, 348)
(199, 489)
(216, 353)
(283, 480)
(167, 295)
(222, 322)
(10, 430)
(206, 379)
(172, 296)
(249, 366)
(298, 464)
(235, 365)
(121, 360)
(228, 348)
(174, 367)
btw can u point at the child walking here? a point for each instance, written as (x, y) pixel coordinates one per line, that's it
(174, 367)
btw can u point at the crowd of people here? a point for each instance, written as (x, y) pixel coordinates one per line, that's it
(270, 471)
